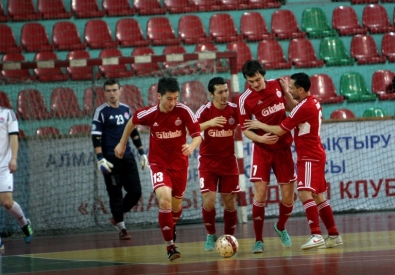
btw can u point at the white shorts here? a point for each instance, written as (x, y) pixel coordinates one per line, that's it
(6, 180)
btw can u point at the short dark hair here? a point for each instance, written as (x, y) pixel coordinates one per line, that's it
(215, 81)
(110, 82)
(301, 80)
(251, 67)
(168, 84)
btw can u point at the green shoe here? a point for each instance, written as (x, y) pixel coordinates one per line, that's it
(210, 242)
(258, 247)
(284, 237)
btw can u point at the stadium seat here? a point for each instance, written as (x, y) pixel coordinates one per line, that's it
(129, 34)
(22, 10)
(263, 4)
(342, 114)
(208, 5)
(82, 71)
(5, 101)
(382, 81)
(209, 65)
(302, 54)
(80, 130)
(17, 75)
(34, 38)
(89, 104)
(191, 30)
(152, 94)
(243, 52)
(376, 20)
(374, 112)
(115, 70)
(64, 103)
(388, 46)
(234, 4)
(52, 9)
(176, 67)
(3, 16)
(333, 52)
(179, 6)
(285, 26)
(148, 68)
(364, 50)
(65, 36)
(48, 132)
(49, 74)
(272, 55)
(31, 105)
(315, 23)
(131, 96)
(7, 40)
(160, 32)
(193, 94)
(345, 21)
(354, 89)
(86, 9)
(355, 2)
(253, 27)
(98, 35)
(324, 90)
(118, 8)
(223, 29)
(149, 7)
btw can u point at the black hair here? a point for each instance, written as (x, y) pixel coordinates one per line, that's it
(301, 80)
(251, 67)
(168, 84)
(110, 82)
(215, 81)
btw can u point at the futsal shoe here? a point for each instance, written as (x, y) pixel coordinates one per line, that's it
(124, 235)
(313, 241)
(210, 242)
(258, 247)
(28, 231)
(284, 237)
(332, 241)
(172, 252)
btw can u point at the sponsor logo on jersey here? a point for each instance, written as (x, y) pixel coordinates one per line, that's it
(155, 124)
(231, 121)
(169, 134)
(273, 109)
(220, 133)
(111, 117)
(259, 102)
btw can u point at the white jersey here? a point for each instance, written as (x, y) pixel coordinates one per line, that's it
(8, 125)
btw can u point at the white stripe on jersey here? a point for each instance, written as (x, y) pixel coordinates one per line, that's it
(98, 110)
(242, 99)
(297, 107)
(147, 112)
(194, 119)
(202, 108)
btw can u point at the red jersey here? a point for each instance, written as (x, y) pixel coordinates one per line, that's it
(306, 119)
(218, 142)
(267, 106)
(168, 134)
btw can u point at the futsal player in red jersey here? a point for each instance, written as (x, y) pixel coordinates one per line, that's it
(168, 153)
(306, 119)
(267, 101)
(218, 169)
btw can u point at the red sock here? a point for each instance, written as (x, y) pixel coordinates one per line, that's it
(209, 220)
(312, 216)
(258, 216)
(327, 217)
(166, 224)
(230, 221)
(176, 215)
(285, 212)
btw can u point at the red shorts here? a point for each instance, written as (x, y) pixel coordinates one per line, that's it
(311, 176)
(279, 160)
(175, 179)
(219, 176)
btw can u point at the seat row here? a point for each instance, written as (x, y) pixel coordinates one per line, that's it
(347, 114)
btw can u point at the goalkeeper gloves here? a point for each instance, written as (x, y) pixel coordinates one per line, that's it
(103, 165)
(143, 161)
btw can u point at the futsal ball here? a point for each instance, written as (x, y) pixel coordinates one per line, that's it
(227, 246)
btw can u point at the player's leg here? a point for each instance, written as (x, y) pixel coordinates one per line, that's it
(228, 187)
(130, 180)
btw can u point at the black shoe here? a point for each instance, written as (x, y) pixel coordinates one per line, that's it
(174, 233)
(172, 253)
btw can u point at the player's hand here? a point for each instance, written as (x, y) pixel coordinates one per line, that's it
(104, 165)
(219, 121)
(143, 161)
(268, 138)
(187, 150)
(252, 124)
(283, 84)
(119, 150)
(12, 165)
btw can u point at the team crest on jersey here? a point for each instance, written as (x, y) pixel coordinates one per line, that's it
(279, 93)
(126, 115)
(178, 122)
(93, 126)
(2, 119)
(231, 121)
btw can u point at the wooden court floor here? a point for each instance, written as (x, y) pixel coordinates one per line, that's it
(369, 248)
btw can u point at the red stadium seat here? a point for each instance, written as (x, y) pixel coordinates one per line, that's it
(22, 10)
(118, 8)
(376, 20)
(3, 16)
(342, 114)
(179, 6)
(223, 29)
(64, 103)
(381, 84)
(65, 36)
(89, 104)
(31, 105)
(208, 5)
(209, 65)
(5, 101)
(191, 30)
(48, 132)
(7, 40)
(80, 130)
(272, 55)
(17, 75)
(364, 50)
(83, 71)
(131, 96)
(302, 55)
(193, 94)
(285, 26)
(52, 9)
(49, 74)
(160, 32)
(129, 34)
(86, 9)
(243, 52)
(345, 21)
(149, 68)
(354, 2)
(149, 7)
(176, 67)
(324, 90)
(34, 38)
(253, 27)
(388, 46)
(98, 35)
(234, 4)
(115, 70)
(264, 4)
(152, 95)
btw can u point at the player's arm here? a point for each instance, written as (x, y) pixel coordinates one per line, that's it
(267, 138)
(271, 129)
(121, 146)
(290, 102)
(215, 122)
(103, 165)
(187, 149)
(14, 145)
(135, 136)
